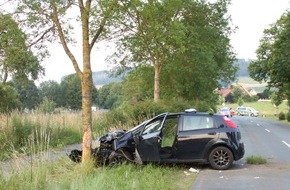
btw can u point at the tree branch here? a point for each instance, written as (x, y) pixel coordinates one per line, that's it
(62, 39)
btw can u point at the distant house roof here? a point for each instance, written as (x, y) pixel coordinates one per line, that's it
(225, 91)
(252, 92)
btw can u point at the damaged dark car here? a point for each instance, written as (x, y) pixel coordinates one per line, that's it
(186, 137)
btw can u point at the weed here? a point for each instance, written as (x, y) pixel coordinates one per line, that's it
(256, 160)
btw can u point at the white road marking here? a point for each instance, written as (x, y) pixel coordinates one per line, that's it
(286, 144)
(268, 130)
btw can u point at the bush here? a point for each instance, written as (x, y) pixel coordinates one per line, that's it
(256, 160)
(47, 106)
(288, 116)
(282, 116)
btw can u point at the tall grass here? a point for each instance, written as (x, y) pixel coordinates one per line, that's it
(64, 174)
(20, 131)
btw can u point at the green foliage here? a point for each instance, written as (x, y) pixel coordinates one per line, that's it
(47, 106)
(273, 59)
(109, 96)
(72, 92)
(248, 98)
(28, 134)
(240, 101)
(256, 160)
(183, 67)
(64, 174)
(138, 84)
(52, 91)
(9, 99)
(237, 94)
(28, 93)
(282, 116)
(275, 99)
(288, 116)
(17, 60)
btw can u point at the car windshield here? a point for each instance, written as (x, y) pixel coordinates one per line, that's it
(133, 129)
(225, 109)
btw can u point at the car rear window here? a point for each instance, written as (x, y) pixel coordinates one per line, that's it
(196, 122)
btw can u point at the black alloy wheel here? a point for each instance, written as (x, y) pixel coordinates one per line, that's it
(221, 158)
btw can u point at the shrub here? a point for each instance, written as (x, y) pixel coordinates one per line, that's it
(47, 106)
(282, 116)
(256, 160)
(288, 116)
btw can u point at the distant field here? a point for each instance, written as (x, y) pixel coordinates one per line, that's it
(248, 82)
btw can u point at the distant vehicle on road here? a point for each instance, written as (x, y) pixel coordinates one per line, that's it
(226, 111)
(247, 111)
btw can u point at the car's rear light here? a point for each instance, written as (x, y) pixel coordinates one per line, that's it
(229, 122)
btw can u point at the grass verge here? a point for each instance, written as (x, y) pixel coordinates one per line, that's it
(256, 160)
(64, 174)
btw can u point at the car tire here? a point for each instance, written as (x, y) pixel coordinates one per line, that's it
(221, 158)
(119, 157)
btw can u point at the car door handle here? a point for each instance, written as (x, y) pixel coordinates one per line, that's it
(213, 133)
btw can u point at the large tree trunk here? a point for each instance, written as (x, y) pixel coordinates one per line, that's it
(87, 83)
(156, 83)
(87, 114)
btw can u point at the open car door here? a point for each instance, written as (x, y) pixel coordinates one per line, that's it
(148, 143)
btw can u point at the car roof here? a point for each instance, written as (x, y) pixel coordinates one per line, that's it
(190, 113)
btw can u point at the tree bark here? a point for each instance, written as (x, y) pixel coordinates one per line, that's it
(156, 83)
(87, 83)
(86, 112)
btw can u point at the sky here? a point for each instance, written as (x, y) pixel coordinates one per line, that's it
(250, 16)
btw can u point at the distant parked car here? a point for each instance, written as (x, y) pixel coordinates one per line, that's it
(225, 111)
(232, 111)
(248, 111)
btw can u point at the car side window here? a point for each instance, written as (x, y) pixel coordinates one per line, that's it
(196, 122)
(152, 127)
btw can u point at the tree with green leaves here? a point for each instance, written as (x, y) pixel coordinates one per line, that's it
(71, 91)
(47, 106)
(52, 91)
(9, 99)
(154, 32)
(109, 95)
(192, 39)
(273, 58)
(16, 58)
(28, 93)
(207, 58)
(51, 20)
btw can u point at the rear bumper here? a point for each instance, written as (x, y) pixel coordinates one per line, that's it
(240, 152)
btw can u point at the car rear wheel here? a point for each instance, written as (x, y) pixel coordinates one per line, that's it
(119, 157)
(221, 158)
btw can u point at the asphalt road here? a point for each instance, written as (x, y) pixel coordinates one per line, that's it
(262, 137)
